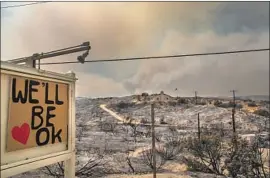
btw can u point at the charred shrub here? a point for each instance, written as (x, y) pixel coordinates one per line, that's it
(262, 112)
(124, 105)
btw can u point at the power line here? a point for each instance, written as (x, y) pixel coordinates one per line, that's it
(162, 57)
(21, 5)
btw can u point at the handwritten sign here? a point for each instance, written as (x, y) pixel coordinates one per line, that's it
(38, 113)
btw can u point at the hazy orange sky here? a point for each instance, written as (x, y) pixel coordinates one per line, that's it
(128, 29)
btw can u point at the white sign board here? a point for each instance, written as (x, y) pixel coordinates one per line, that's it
(37, 119)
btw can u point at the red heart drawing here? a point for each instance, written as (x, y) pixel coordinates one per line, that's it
(21, 134)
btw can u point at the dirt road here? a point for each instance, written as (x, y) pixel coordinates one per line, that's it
(120, 118)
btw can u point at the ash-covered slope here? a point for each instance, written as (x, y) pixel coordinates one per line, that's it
(182, 115)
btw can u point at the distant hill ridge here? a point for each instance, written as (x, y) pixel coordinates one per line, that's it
(255, 97)
(251, 97)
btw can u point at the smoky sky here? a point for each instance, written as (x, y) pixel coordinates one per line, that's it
(134, 29)
(241, 17)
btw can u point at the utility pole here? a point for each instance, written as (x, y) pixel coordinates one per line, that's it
(233, 91)
(199, 128)
(233, 111)
(196, 97)
(31, 60)
(233, 118)
(153, 140)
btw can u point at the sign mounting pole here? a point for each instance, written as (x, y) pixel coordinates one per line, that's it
(31, 60)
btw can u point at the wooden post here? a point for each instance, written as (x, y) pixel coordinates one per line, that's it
(70, 167)
(153, 141)
(70, 163)
(199, 129)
